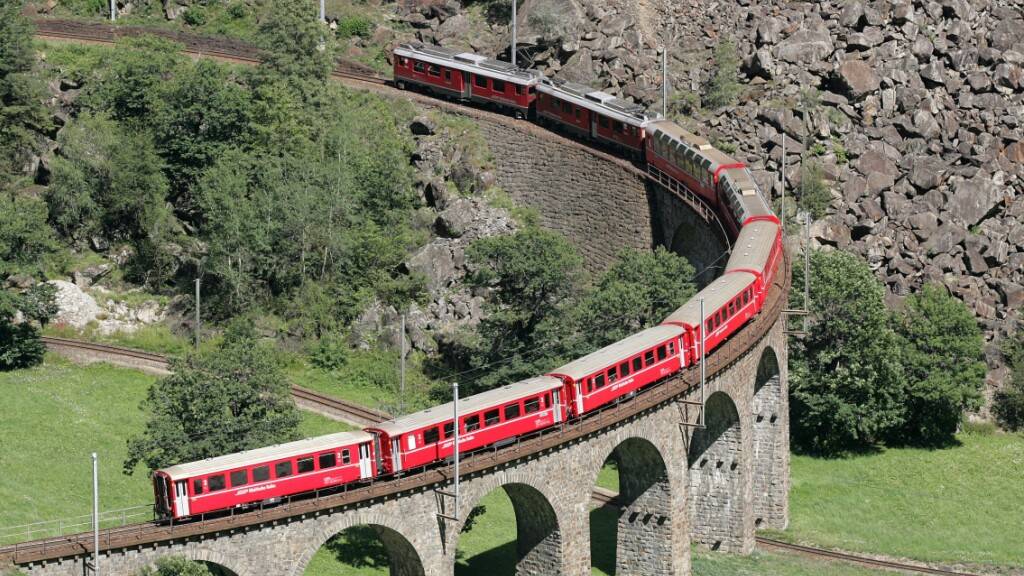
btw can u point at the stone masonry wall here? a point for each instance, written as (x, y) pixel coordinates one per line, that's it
(771, 447)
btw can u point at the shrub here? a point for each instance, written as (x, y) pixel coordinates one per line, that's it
(176, 566)
(237, 10)
(358, 25)
(1008, 404)
(194, 16)
(330, 352)
(814, 195)
(723, 88)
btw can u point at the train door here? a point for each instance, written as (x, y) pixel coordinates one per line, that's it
(396, 454)
(556, 397)
(365, 464)
(467, 86)
(181, 497)
(578, 387)
(593, 124)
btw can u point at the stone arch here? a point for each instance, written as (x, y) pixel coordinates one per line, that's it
(538, 535)
(645, 538)
(716, 466)
(402, 557)
(219, 564)
(768, 408)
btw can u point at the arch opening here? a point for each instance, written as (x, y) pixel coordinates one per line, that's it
(185, 564)
(512, 531)
(769, 444)
(367, 549)
(716, 477)
(634, 533)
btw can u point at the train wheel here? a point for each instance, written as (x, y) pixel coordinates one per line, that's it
(400, 85)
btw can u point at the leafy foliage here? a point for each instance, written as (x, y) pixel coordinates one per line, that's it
(814, 192)
(1009, 402)
(25, 238)
(176, 566)
(723, 88)
(20, 345)
(22, 115)
(228, 399)
(846, 381)
(294, 44)
(941, 346)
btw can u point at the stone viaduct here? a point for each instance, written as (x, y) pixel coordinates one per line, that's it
(679, 484)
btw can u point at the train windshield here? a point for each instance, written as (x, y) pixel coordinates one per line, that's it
(162, 487)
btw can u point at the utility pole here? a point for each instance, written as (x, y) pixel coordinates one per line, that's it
(323, 12)
(455, 421)
(807, 268)
(95, 514)
(514, 30)
(113, 10)
(703, 374)
(664, 81)
(401, 392)
(783, 176)
(197, 313)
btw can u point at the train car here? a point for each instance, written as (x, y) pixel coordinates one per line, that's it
(492, 417)
(741, 195)
(757, 251)
(263, 475)
(466, 76)
(729, 302)
(621, 368)
(592, 114)
(688, 158)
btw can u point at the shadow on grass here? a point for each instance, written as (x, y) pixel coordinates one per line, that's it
(359, 546)
(499, 561)
(604, 526)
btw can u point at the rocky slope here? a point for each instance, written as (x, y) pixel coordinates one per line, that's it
(914, 110)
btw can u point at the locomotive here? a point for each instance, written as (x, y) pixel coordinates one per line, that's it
(569, 392)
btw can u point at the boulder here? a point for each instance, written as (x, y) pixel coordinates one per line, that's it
(927, 172)
(74, 307)
(873, 161)
(422, 126)
(945, 238)
(805, 47)
(456, 218)
(934, 72)
(436, 262)
(858, 78)
(973, 200)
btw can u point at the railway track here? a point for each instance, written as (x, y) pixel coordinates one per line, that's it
(603, 497)
(159, 364)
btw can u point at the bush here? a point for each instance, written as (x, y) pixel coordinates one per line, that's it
(723, 88)
(358, 25)
(176, 566)
(1008, 404)
(814, 195)
(330, 352)
(20, 345)
(194, 16)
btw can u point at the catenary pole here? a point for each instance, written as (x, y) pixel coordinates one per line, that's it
(664, 81)
(401, 396)
(807, 269)
(783, 180)
(95, 515)
(197, 312)
(703, 374)
(514, 30)
(455, 427)
(113, 10)
(323, 11)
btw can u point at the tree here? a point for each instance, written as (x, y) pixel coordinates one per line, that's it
(941, 345)
(22, 116)
(295, 45)
(723, 88)
(26, 239)
(229, 399)
(130, 84)
(638, 291)
(176, 566)
(20, 344)
(846, 382)
(533, 278)
(1008, 404)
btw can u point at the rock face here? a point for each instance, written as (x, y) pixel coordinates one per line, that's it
(79, 309)
(74, 307)
(917, 104)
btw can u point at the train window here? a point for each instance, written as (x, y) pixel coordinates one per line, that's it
(519, 89)
(566, 107)
(197, 486)
(672, 348)
(473, 423)
(419, 67)
(447, 75)
(480, 81)
(599, 381)
(613, 375)
(512, 411)
(624, 369)
(746, 297)
(602, 121)
(261, 473)
(711, 325)
(532, 405)
(239, 478)
(590, 385)
(638, 364)
(732, 308)
(449, 430)
(431, 435)
(328, 460)
(649, 357)
(617, 126)
(215, 482)
(434, 70)
(547, 400)
(491, 417)
(282, 469)
(662, 354)
(577, 113)
(305, 465)
(403, 61)
(346, 456)
(499, 85)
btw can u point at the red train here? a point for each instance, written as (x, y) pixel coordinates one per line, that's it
(569, 392)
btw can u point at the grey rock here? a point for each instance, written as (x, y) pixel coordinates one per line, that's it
(456, 218)
(945, 238)
(874, 161)
(927, 172)
(1008, 77)
(972, 200)
(858, 78)
(20, 281)
(852, 14)
(99, 243)
(436, 262)
(805, 46)
(934, 72)
(924, 223)
(422, 126)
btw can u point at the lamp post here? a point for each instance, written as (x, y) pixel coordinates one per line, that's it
(514, 30)
(95, 515)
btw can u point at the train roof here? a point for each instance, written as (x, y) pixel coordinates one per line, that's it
(746, 200)
(468, 405)
(601, 102)
(617, 351)
(266, 454)
(670, 132)
(468, 62)
(716, 295)
(753, 246)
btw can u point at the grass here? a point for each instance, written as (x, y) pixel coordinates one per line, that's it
(156, 338)
(54, 416)
(961, 504)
